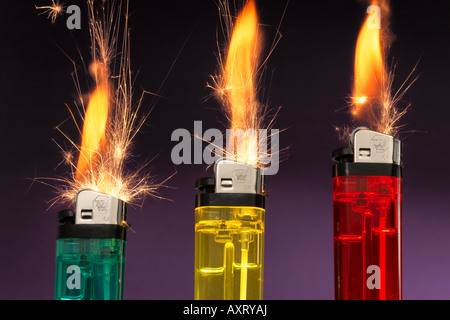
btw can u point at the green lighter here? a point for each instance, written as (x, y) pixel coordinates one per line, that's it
(90, 249)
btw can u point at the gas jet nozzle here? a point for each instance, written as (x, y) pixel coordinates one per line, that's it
(97, 208)
(237, 177)
(374, 147)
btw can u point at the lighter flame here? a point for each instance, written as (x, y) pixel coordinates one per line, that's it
(237, 85)
(369, 66)
(373, 103)
(110, 120)
(94, 127)
(240, 68)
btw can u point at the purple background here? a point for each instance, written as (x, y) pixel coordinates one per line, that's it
(309, 74)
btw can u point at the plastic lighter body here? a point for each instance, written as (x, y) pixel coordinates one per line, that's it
(90, 250)
(229, 253)
(89, 269)
(367, 200)
(229, 241)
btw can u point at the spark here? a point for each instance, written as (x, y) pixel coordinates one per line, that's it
(111, 119)
(52, 11)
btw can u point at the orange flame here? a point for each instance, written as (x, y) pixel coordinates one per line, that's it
(95, 123)
(111, 118)
(369, 66)
(239, 81)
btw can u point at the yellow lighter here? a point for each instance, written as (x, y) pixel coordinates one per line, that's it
(229, 233)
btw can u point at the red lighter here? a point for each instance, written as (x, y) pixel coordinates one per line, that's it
(367, 200)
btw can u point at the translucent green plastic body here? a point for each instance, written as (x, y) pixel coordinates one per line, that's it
(89, 269)
(229, 253)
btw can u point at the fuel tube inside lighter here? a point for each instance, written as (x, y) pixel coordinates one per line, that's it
(229, 233)
(367, 199)
(90, 249)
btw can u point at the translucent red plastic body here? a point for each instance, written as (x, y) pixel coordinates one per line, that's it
(367, 237)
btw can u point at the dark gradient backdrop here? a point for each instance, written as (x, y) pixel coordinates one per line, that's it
(309, 74)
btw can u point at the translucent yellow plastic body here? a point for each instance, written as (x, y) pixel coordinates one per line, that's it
(229, 253)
